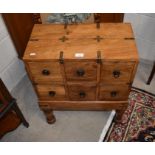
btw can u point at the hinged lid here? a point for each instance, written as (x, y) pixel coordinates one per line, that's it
(81, 41)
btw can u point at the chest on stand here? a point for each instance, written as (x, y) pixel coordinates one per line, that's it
(81, 67)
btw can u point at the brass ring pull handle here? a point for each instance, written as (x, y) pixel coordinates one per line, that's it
(52, 93)
(116, 74)
(80, 72)
(45, 72)
(113, 93)
(82, 94)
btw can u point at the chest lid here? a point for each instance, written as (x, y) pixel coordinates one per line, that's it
(81, 41)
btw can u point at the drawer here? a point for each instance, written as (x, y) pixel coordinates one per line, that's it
(120, 72)
(113, 92)
(79, 92)
(51, 92)
(45, 71)
(81, 70)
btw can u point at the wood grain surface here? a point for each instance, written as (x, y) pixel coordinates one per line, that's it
(51, 92)
(52, 68)
(114, 92)
(46, 42)
(82, 67)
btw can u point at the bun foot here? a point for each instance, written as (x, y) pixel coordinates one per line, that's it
(52, 120)
(49, 116)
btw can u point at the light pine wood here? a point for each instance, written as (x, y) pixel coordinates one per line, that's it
(98, 80)
(83, 105)
(76, 89)
(64, 79)
(114, 92)
(37, 71)
(42, 31)
(94, 71)
(111, 49)
(108, 70)
(45, 42)
(88, 70)
(134, 71)
(45, 92)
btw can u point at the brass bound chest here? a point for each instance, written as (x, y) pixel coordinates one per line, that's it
(81, 67)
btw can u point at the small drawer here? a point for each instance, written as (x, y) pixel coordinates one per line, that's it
(51, 92)
(79, 92)
(120, 72)
(45, 71)
(114, 92)
(81, 70)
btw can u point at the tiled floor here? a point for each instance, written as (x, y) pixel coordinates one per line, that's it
(70, 125)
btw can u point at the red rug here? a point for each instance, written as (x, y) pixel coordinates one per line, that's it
(138, 121)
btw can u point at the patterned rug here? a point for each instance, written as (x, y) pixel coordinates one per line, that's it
(138, 121)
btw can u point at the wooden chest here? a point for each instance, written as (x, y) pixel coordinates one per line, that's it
(82, 67)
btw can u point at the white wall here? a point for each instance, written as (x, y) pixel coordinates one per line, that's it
(11, 68)
(144, 30)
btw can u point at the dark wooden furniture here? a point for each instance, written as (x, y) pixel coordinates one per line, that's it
(82, 67)
(20, 26)
(151, 75)
(10, 114)
(109, 17)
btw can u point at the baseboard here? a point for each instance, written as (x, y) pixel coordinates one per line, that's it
(146, 61)
(107, 126)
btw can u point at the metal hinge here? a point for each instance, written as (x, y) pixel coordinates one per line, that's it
(63, 39)
(129, 38)
(98, 25)
(65, 26)
(98, 38)
(98, 60)
(61, 60)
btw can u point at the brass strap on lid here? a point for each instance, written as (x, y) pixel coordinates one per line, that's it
(98, 60)
(61, 60)
(65, 25)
